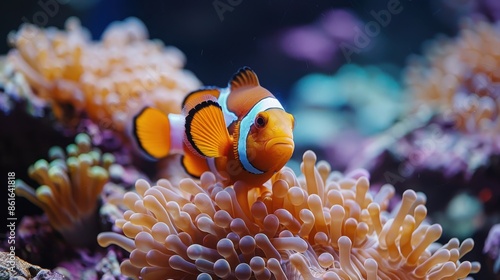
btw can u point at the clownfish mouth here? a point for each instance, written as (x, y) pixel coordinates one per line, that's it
(281, 142)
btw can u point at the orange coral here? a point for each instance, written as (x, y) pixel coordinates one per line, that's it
(322, 225)
(459, 77)
(109, 80)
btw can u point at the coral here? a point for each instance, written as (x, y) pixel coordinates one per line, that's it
(434, 147)
(463, 216)
(364, 98)
(492, 248)
(37, 242)
(459, 79)
(109, 266)
(453, 132)
(12, 267)
(71, 185)
(14, 88)
(321, 225)
(336, 113)
(109, 80)
(88, 264)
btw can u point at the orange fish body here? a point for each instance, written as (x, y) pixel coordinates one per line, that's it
(240, 133)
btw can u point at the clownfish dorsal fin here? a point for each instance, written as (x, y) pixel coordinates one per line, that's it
(200, 93)
(245, 77)
(206, 130)
(196, 99)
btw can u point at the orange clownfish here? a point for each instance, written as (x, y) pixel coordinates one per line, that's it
(240, 133)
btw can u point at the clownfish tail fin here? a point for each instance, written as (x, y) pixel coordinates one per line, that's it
(151, 131)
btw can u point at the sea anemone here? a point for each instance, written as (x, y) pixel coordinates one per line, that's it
(109, 80)
(459, 79)
(321, 225)
(70, 188)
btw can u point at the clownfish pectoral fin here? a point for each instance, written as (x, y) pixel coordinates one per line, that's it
(206, 130)
(152, 132)
(197, 95)
(245, 77)
(194, 164)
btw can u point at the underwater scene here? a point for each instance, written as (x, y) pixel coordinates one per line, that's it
(238, 139)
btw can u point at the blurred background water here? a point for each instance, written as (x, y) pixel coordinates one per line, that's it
(254, 33)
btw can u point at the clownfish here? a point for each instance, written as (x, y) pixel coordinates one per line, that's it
(239, 133)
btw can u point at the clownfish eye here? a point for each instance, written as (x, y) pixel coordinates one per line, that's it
(260, 121)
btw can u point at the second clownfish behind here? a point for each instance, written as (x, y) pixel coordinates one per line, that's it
(240, 133)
